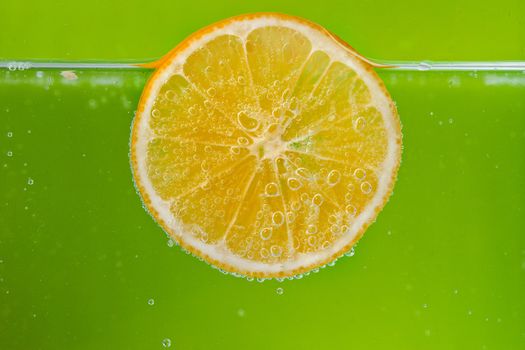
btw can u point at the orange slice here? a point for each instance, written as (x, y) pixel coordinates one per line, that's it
(265, 145)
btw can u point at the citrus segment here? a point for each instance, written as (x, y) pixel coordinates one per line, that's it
(264, 146)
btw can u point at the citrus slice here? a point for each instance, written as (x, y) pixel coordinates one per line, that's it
(265, 145)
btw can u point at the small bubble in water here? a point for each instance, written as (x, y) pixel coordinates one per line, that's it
(30, 181)
(170, 243)
(9, 134)
(39, 74)
(450, 120)
(151, 302)
(166, 342)
(9, 153)
(425, 306)
(279, 291)
(241, 313)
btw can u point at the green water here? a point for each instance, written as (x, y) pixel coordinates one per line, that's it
(442, 268)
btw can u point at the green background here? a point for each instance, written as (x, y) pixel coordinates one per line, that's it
(443, 266)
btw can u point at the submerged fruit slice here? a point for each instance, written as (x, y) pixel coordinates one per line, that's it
(264, 145)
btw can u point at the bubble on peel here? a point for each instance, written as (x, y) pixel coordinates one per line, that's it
(211, 92)
(247, 122)
(266, 233)
(351, 252)
(317, 199)
(166, 342)
(276, 251)
(333, 177)
(294, 184)
(271, 189)
(279, 291)
(278, 218)
(243, 141)
(366, 187)
(151, 302)
(359, 174)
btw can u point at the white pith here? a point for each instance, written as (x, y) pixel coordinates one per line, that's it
(219, 252)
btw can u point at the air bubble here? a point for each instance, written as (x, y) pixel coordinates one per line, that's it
(170, 243)
(317, 200)
(243, 141)
(333, 177)
(295, 205)
(366, 188)
(290, 216)
(205, 166)
(311, 229)
(351, 252)
(359, 124)
(235, 150)
(241, 80)
(264, 253)
(151, 302)
(30, 181)
(303, 172)
(359, 174)
(9, 134)
(166, 342)
(9, 153)
(294, 184)
(211, 92)
(266, 233)
(192, 111)
(246, 122)
(279, 291)
(312, 241)
(277, 218)
(154, 113)
(350, 209)
(276, 251)
(271, 189)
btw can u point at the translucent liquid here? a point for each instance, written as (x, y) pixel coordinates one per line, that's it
(83, 266)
